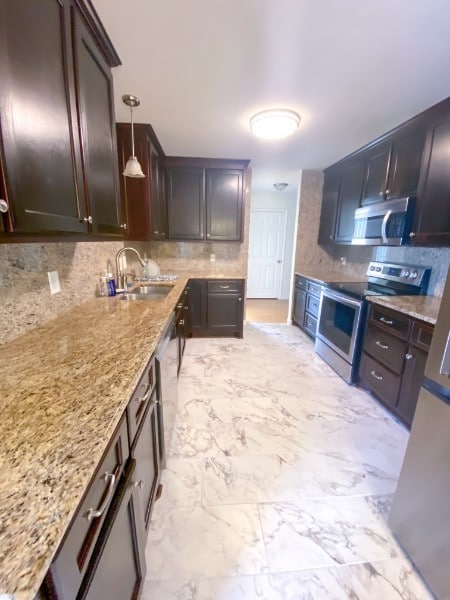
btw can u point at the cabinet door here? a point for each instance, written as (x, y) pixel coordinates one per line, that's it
(298, 315)
(224, 195)
(415, 360)
(41, 170)
(349, 200)
(185, 203)
(432, 218)
(97, 131)
(376, 173)
(406, 159)
(146, 453)
(158, 196)
(224, 314)
(117, 569)
(332, 180)
(197, 305)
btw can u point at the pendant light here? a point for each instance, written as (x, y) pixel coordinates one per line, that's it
(132, 168)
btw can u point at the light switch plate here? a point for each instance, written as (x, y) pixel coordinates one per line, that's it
(212, 257)
(53, 280)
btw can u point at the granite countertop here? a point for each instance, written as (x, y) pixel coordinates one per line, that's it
(425, 308)
(329, 276)
(63, 389)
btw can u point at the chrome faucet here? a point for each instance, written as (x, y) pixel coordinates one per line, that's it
(120, 276)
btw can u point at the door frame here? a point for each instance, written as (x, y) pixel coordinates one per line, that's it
(270, 210)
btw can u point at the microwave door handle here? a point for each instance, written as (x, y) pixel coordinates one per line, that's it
(384, 226)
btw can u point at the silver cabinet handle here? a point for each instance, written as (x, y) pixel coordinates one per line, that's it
(381, 345)
(146, 396)
(123, 226)
(375, 374)
(138, 484)
(179, 305)
(156, 232)
(88, 220)
(381, 194)
(181, 322)
(409, 356)
(387, 192)
(386, 218)
(224, 287)
(239, 299)
(110, 480)
(3, 206)
(412, 234)
(386, 321)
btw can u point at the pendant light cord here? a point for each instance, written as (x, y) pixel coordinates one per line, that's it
(132, 132)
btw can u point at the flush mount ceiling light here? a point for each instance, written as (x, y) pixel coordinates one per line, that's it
(274, 123)
(280, 186)
(132, 168)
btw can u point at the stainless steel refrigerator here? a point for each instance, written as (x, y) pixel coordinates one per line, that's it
(420, 514)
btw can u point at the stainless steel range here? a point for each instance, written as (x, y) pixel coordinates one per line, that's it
(343, 309)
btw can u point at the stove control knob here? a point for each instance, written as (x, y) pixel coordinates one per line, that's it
(414, 275)
(405, 273)
(378, 269)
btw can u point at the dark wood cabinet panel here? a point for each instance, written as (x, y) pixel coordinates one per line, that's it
(385, 348)
(299, 304)
(224, 196)
(393, 321)
(330, 195)
(118, 569)
(405, 162)
(143, 199)
(40, 149)
(379, 379)
(415, 360)
(432, 217)
(95, 101)
(216, 307)
(376, 173)
(349, 200)
(146, 453)
(306, 303)
(185, 203)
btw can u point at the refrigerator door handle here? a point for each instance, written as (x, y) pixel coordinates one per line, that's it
(445, 364)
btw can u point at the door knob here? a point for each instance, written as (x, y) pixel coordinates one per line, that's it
(279, 261)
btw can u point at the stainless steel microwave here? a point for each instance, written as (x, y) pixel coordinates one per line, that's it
(385, 223)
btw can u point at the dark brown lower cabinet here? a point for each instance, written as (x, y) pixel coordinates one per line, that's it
(306, 304)
(117, 569)
(393, 359)
(147, 473)
(216, 307)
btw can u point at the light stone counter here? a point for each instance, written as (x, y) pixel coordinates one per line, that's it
(329, 276)
(425, 308)
(63, 389)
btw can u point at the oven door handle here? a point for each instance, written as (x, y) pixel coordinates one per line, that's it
(327, 293)
(384, 225)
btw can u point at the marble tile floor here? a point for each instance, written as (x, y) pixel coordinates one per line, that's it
(279, 482)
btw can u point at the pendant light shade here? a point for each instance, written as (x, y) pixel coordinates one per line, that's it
(133, 167)
(274, 123)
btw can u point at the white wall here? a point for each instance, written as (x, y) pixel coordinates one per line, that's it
(286, 200)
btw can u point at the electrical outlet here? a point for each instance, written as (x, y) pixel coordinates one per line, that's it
(53, 280)
(212, 257)
(343, 260)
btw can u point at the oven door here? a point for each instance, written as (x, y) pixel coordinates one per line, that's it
(339, 320)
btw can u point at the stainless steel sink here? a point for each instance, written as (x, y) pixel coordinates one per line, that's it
(147, 292)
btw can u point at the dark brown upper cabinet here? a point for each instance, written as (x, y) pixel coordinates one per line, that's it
(57, 143)
(144, 213)
(411, 160)
(431, 225)
(205, 198)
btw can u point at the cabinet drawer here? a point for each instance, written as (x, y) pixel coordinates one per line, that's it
(310, 324)
(422, 334)
(386, 348)
(379, 379)
(140, 399)
(225, 286)
(301, 283)
(71, 562)
(312, 305)
(395, 322)
(314, 288)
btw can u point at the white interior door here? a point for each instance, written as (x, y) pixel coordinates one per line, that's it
(266, 253)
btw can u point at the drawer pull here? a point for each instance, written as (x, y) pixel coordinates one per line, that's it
(409, 356)
(181, 322)
(179, 305)
(386, 321)
(224, 287)
(110, 480)
(381, 345)
(138, 484)
(146, 396)
(375, 374)
(3, 206)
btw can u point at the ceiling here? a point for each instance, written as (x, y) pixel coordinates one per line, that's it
(352, 69)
